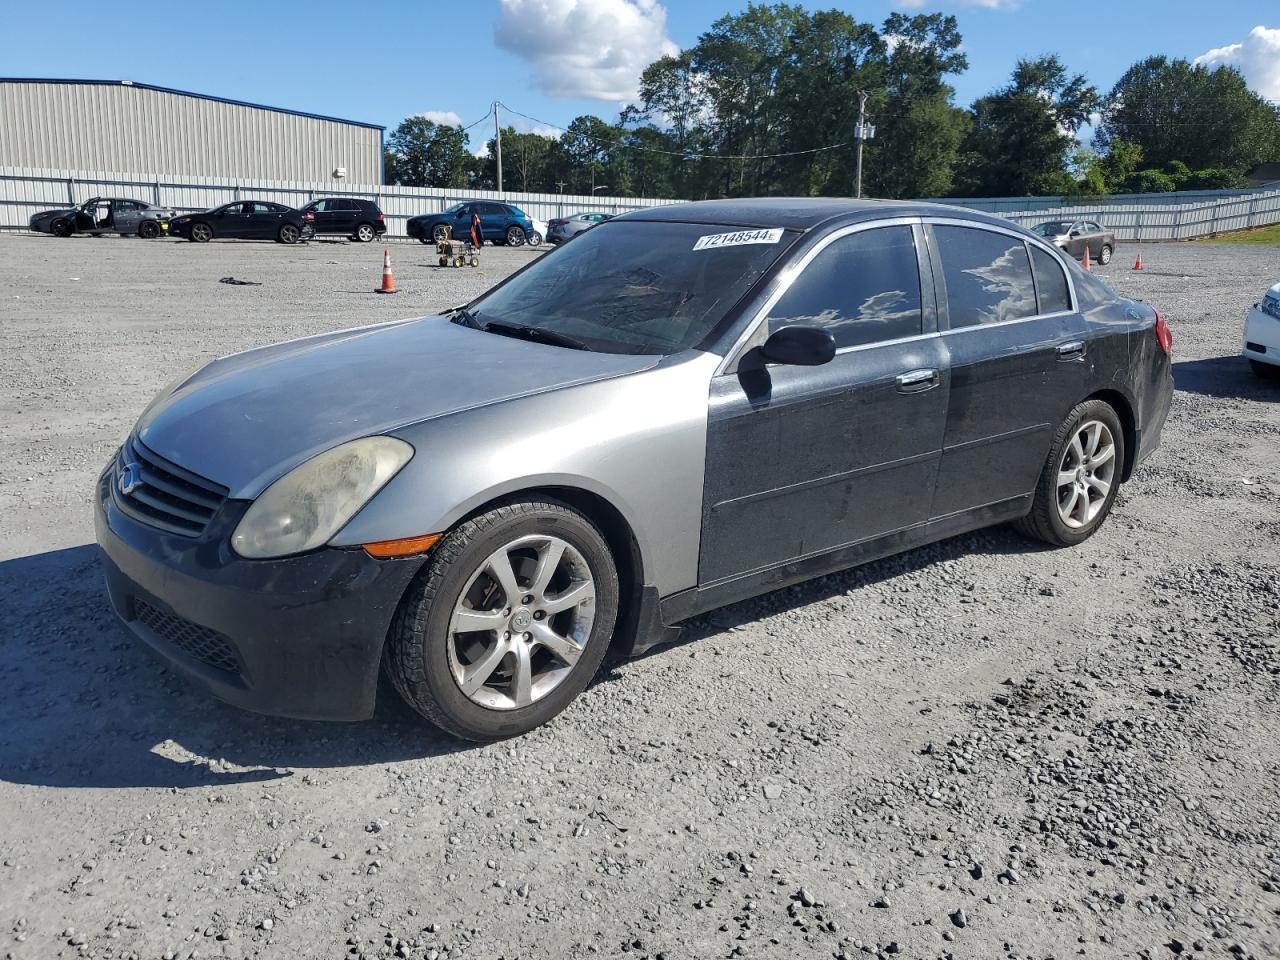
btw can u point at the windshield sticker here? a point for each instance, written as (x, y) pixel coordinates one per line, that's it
(737, 238)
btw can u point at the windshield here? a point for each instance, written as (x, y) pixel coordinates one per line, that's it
(636, 286)
(1053, 228)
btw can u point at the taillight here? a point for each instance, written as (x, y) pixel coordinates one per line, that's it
(380, 218)
(1164, 336)
(308, 215)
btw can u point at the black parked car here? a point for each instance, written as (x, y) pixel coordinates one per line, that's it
(100, 215)
(352, 217)
(500, 223)
(244, 220)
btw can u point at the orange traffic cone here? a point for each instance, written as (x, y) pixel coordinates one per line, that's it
(1138, 265)
(388, 281)
(1086, 264)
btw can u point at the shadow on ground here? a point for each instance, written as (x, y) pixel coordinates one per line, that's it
(1229, 377)
(86, 705)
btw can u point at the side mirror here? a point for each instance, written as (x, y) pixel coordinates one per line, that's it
(800, 346)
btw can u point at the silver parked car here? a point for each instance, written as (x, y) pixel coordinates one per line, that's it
(565, 228)
(684, 407)
(105, 215)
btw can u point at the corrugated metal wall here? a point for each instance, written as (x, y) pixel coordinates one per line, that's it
(107, 126)
(24, 191)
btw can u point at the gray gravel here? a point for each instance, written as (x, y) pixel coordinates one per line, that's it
(978, 749)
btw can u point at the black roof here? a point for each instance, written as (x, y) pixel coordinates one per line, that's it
(801, 213)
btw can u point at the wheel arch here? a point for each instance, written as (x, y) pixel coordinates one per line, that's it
(1123, 407)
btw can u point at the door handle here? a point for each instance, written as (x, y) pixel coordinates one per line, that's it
(1074, 350)
(917, 381)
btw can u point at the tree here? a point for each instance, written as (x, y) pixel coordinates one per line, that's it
(1201, 116)
(1022, 132)
(919, 130)
(428, 154)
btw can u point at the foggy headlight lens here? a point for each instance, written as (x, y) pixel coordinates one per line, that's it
(307, 506)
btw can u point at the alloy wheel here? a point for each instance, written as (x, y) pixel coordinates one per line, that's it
(1085, 474)
(201, 232)
(289, 233)
(521, 622)
(364, 233)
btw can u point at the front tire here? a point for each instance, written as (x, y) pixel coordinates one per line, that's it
(1080, 479)
(1104, 255)
(508, 621)
(201, 233)
(61, 228)
(440, 232)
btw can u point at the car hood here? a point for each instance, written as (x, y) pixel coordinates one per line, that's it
(44, 214)
(245, 420)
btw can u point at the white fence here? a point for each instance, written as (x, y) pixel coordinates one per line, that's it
(24, 191)
(1148, 216)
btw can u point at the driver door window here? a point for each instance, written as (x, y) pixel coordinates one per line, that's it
(864, 288)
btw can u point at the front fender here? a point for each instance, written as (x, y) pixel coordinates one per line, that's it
(637, 441)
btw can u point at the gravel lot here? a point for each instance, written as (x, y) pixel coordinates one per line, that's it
(980, 749)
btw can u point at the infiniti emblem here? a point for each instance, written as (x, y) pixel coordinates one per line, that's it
(130, 478)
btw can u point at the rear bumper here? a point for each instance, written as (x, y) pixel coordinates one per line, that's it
(297, 637)
(1262, 337)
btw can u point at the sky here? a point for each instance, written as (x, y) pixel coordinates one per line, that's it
(555, 59)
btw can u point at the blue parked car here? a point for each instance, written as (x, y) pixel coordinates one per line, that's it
(500, 223)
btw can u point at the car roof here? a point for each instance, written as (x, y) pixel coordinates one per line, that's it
(802, 213)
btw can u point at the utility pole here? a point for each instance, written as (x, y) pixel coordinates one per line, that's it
(497, 132)
(861, 133)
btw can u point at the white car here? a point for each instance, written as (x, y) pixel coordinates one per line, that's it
(539, 232)
(1262, 335)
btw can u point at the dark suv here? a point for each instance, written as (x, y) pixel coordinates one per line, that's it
(352, 217)
(500, 222)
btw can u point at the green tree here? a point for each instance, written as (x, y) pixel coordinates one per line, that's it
(1201, 116)
(1022, 132)
(919, 130)
(428, 154)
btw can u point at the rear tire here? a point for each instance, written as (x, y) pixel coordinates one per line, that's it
(1266, 371)
(1104, 255)
(289, 234)
(365, 233)
(488, 683)
(61, 227)
(535, 239)
(1080, 478)
(148, 230)
(515, 236)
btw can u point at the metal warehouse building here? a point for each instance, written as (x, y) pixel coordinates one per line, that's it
(122, 126)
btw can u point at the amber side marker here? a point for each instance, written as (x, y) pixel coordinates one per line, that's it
(404, 547)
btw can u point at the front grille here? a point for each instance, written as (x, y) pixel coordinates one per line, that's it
(166, 496)
(207, 646)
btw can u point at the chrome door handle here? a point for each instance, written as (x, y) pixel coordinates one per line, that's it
(1073, 350)
(917, 381)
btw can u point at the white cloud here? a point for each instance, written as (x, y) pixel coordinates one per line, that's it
(585, 48)
(988, 4)
(1257, 57)
(444, 117)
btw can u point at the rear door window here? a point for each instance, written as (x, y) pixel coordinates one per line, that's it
(987, 276)
(864, 288)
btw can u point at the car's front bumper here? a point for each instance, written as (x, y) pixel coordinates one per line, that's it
(1262, 337)
(299, 636)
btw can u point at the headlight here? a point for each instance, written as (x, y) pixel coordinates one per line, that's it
(307, 506)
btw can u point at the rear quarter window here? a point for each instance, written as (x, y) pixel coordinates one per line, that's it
(1051, 282)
